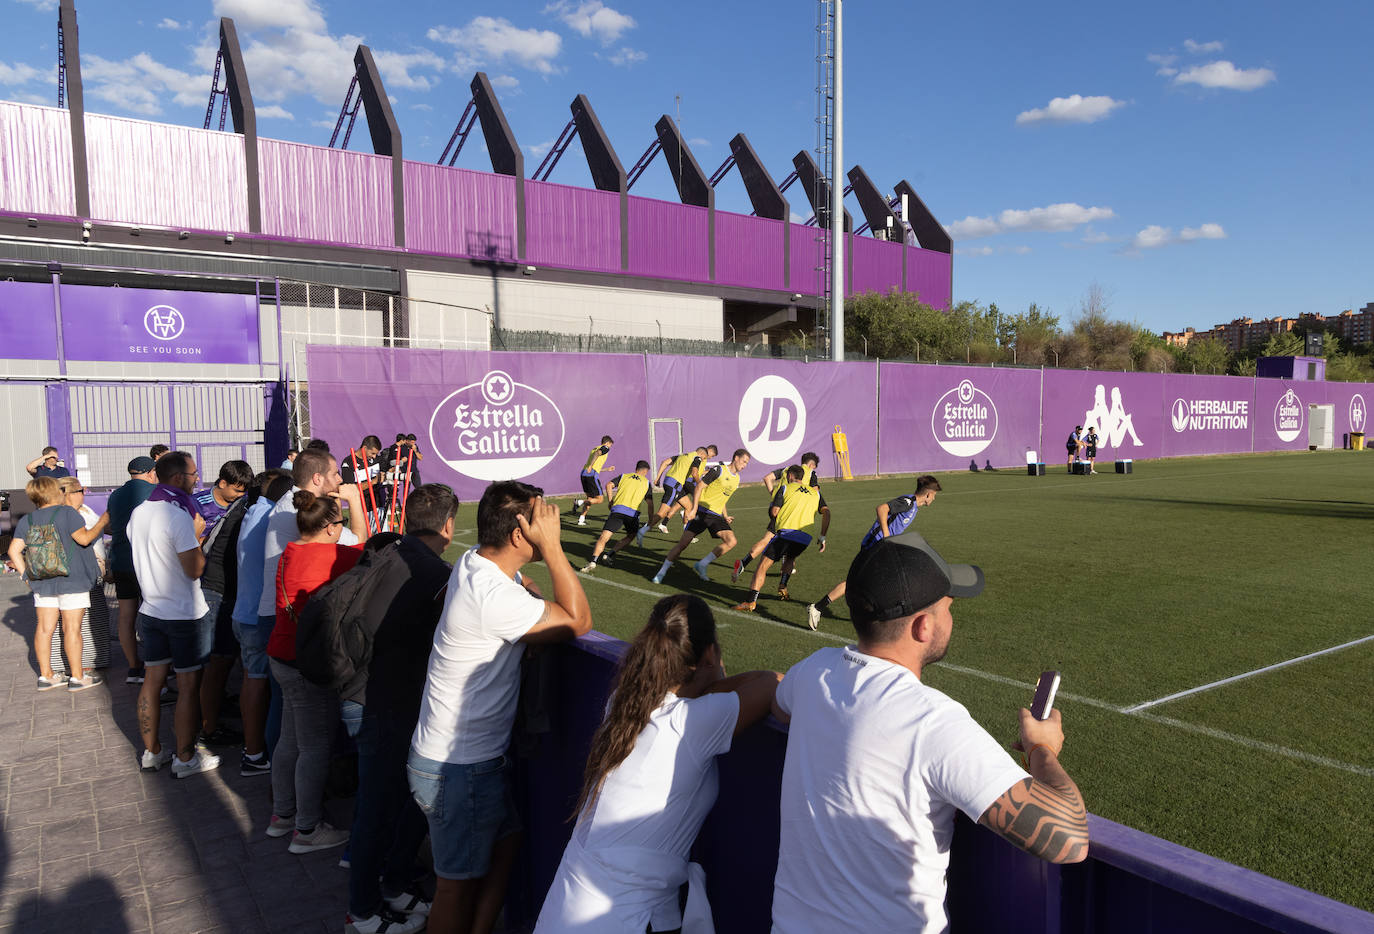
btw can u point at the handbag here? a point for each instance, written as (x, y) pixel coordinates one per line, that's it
(45, 555)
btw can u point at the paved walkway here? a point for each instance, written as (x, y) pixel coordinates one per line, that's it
(90, 843)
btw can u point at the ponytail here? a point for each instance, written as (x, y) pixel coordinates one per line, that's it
(313, 513)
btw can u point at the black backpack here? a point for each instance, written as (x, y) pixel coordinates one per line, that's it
(335, 631)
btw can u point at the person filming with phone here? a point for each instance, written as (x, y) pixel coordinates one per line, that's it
(877, 762)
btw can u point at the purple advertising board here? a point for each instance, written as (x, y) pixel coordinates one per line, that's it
(1281, 413)
(148, 325)
(1207, 415)
(946, 417)
(27, 321)
(1125, 408)
(484, 416)
(777, 409)
(1351, 404)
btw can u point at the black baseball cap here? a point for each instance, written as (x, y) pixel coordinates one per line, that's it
(141, 464)
(902, 575)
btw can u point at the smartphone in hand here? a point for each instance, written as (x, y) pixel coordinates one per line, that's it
(1045, 689)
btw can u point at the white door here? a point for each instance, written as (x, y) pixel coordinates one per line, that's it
(1321, 427)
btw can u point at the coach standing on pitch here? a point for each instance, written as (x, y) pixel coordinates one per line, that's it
(877, 762)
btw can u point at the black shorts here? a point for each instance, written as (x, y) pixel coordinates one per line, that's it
(708, 522)
(126, 586)
(591, 485)
(1070, 447)
(689, 489)
(1091, 451)
(617, 521)
(779, 549)
(672, 490)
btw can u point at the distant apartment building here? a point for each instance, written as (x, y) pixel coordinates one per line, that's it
(1357, 327)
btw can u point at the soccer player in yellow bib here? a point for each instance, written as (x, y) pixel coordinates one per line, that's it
(672, 474)
(631, 490)
(809, 462)
(591, 478)
(794, 508)
(707, 514)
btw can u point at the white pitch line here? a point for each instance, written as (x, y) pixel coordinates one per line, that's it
(1249, 674)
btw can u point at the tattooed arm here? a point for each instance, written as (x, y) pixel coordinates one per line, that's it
(1043, 814)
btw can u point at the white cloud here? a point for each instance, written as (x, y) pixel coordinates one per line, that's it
(539, 149)
(495, 40)
(1223, 74)
(420, 107)
(19, 73)
(505, 81)
(169, 23)
(1154, 236)
(626, 57)
(29, 97)
(1072, 109)
(974, 250)
(1020, 250)
(1201, 48)
(699, 141)
(593, 18)
(1094, 236)
(1054, 217)
(140, 83)
(274, 112)
(396, 68)
(272, 14)
(42, 5)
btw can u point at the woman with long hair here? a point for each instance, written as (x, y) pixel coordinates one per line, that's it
(309, 712)
(651, 775)
(95, 625)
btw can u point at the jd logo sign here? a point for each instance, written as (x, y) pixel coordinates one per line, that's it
(964, 420)
(164, 322)
(496, 429)
(1289, 416)
(772, 420)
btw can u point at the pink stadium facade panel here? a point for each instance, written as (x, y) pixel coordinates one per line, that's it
(877, 265)
(159, 175)
(749, 251)
(328, 195)
(457, 212)
(36, 161)
(928, 275)
(669, 241)
(574, 227)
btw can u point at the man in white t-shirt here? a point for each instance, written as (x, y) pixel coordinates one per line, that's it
(173, 621)
(877, 762)
(459, 772)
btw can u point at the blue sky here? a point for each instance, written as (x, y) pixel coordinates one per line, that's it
(1199, 161)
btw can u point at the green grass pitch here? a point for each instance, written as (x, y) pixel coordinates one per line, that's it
(1135, 587)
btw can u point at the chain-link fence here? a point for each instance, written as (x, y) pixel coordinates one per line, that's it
(556, 342)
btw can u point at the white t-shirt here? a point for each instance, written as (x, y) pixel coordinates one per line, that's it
(158, 532)
(88, 516)
(628, 854)
(876, 764)
(282, 531)
(474, 669)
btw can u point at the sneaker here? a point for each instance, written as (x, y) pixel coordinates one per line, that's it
(738, 570)
(91, 680)
(657, 578)
(323, 837)
(411, 902)
(813, 616)
(701, 572)
(151, 761)
(135, 676)
(608, 558)
(259, 766)
(385, 921)
(582, 519)
(280, 826)
(782, 593)
(222, 736)
(663, 527)
(639, 536)
(747, 606)
(346, 861)
(202, 761)
(577, 503)
(47, 684)
(589, 568)
(694, 540)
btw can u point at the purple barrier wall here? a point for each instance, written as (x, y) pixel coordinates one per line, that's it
(1351, 402)
(1281, 413)
(749, 251)
(1126, 409)
(928, 275)
(944, 417)
(160, 175)
(574, 227)
(669, 240)
(315, 193)
(778, 409)
(1207, 415)
(142, 325)
(484, 416)
(36, 161)
(459, 213)
(805, 245)
(877, 265)
(27, 321)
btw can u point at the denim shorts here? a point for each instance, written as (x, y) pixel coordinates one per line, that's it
(224, 641)
(253, 645)
(469, 807)
(182, 643)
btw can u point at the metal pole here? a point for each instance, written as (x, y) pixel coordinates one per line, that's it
(837, 195)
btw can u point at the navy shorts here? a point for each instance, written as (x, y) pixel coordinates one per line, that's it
(708, 522)
(787, 544)
(126, 586)
(182, 643)
(223, 642)
(468, 807)
(618, 520)
(671, 490)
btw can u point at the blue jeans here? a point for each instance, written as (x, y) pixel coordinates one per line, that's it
(182, 643)
(469, 807)
(388, 826)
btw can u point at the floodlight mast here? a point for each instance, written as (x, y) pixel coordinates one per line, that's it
(837, 191)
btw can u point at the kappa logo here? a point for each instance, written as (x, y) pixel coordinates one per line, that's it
(772, 420)
(964, 420)
(1113, 423)
(164, 322)
(1357, 412)
(496, 429)
(1289, 416)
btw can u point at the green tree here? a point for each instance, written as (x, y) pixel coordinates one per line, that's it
(1205, 356)
(1286, 344)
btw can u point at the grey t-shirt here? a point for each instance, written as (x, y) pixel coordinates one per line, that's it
(83, 571)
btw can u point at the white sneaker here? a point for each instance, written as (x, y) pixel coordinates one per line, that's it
(582, 519)
(577, 503)
(323, 837)
(663, 527)
(813, 616)
(410, 903)
(202, 761)
(701, 572)
(385, 921)
(589, 568)
(152, 762)
(658, 578)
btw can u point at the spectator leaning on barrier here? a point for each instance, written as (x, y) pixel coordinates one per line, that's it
(877, 762)
(47, 465)
(459, 771)
(119, 507)
(214, 501)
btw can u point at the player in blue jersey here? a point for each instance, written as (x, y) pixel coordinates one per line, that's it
(893, 518)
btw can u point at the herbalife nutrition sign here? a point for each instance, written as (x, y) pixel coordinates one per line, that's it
(1211, 414)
